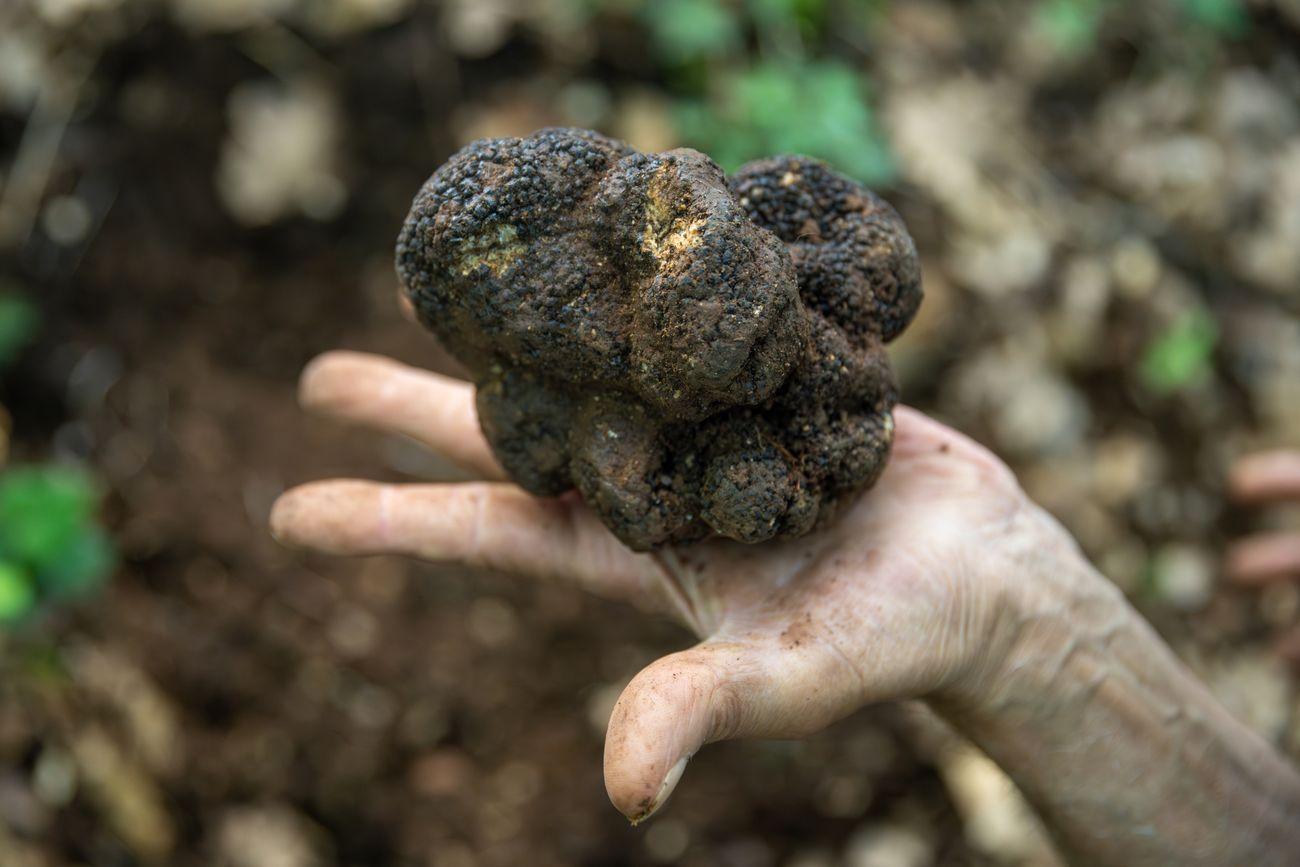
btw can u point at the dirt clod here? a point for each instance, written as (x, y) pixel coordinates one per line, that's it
(695, 354)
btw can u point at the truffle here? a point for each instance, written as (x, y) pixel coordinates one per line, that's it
(696, 355)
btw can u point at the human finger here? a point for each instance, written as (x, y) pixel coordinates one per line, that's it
(1263, 558)
(1266, 476)
(477, 524)
(435, 410)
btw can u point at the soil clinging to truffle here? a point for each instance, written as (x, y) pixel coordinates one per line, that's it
(696, 355)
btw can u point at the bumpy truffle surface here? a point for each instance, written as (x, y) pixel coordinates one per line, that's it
(695, 355)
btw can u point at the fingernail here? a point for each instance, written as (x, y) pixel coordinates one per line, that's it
(665, 789)
(281, 515)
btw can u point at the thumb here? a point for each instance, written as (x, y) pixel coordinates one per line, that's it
(714, 691)
(669, 710)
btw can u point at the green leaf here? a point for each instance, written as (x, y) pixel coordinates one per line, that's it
(816, 109)
(1223, 16)
(1181, 355)
(808, 15)
(1070, 25)
(684, 31)
(42, 510)
(80, 567)
(16, 595)
(19, 322)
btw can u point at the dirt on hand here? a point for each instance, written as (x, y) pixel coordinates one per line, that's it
(695, 354)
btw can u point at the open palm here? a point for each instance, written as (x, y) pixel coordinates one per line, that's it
(898, 597)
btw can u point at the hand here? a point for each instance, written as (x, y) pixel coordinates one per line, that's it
(902, 596)
(1267, 557)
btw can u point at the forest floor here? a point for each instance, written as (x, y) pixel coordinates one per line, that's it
(1111, 252)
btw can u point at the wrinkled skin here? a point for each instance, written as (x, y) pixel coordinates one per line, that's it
(904, 595)
(696, 356)
(944, 583)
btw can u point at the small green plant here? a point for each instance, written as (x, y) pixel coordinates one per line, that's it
(753, 78)
(818, 109)
(1224, 17)
(1181, 356)
(1070, 25)
(687, 31)
(51, 547)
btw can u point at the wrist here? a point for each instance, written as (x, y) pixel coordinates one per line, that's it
(1117, 744)
(1045, 603)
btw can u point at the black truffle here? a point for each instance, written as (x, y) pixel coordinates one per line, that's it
(694, 355)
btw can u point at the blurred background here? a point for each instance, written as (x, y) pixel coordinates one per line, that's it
(197, 196)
